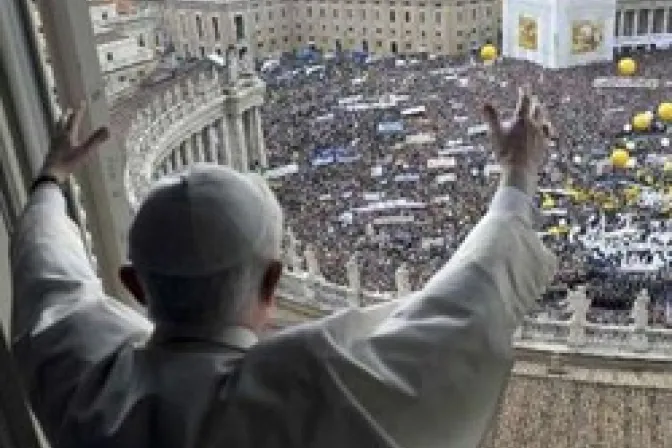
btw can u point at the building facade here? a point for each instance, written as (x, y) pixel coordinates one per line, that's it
(444, 27)
(379, 26)
(129, 40)
(567, 33)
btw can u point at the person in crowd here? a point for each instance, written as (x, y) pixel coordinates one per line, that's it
(205, 251)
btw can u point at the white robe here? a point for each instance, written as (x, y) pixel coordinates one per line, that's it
(425, 372)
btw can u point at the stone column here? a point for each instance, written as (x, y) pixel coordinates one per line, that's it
(635, 22)
(224, 149)
(580, 304)
(239, 146)
(649, 25)
(621, 23)
(177, 158)
(258, 137)
(212, 148)
(189, 149)
(666, 19)
(200, 147)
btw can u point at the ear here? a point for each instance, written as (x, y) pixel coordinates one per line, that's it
(129, 277)
(270, 282)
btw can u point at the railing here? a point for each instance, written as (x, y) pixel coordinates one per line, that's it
(538, 334)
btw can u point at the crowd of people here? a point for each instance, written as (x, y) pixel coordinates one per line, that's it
(391, 163)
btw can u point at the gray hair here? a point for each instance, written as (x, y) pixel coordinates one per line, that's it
(223, 297)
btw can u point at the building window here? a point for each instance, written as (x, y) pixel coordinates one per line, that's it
(408, 16)
(183, 25)
(423, 34)
(122, 78)
(157, 40)
(335, 13)
(409, 46)
(377, 15)
(110, 57)
(460, 47)
(239, 25)
(459, 16)
(323, 13)
(260, 44)
(421, 17)
(218, 51)
(379, 31)
(202, 51)
(283, 13)
(488, 11)
(309, 12)
(256, 19)
(349, 13)
(363, 14)
(473, 14)
(438, 34)
(459, 33)
(379, 44)
(199, 27)
(270, 15)
(393, 16)
(437, 17)
(141, 40)
(104, 16)
(215, 28)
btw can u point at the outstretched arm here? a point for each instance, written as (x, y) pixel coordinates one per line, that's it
(62, 320)
(428, 371)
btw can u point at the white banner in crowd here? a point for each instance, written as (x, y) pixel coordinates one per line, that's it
(420, 139)
(282, 171)
(418, 110)
(442, 162)
(480, 129)
(376, 171)
(622, 82)
(448, 177)
(388, 220)
(429, 242)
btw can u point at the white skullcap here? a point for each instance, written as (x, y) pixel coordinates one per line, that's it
(202, 221)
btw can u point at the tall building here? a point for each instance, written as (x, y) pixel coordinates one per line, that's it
(390, 26)
(129, 41)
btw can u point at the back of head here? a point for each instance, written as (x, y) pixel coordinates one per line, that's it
(201, 243)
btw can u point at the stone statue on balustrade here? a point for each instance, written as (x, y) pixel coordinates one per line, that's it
(312, 265)
(291, 252)
(354, 280)
(352, 270)
(640, 310)
(246, 62)
(232, 62)
(579, 304)
(639, 340)
(402, 280)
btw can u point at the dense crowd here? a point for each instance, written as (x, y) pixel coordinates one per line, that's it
(311, 113)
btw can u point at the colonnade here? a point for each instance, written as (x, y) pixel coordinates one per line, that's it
(645, 21)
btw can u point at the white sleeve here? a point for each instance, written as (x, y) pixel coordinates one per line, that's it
(62, 320)
(429, 371)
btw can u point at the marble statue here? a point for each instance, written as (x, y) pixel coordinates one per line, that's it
(352, 268)
(312, 264)
(403, 283)
(292, 251)
(640, 310)
(246, 61)
(579, 304)
(232, 61)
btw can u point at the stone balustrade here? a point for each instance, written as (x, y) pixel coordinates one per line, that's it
(555, 336)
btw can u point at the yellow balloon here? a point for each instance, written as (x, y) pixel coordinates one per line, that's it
(665, 111)
(620, 158)
(641, 122)
(488, 52)
(627, 67)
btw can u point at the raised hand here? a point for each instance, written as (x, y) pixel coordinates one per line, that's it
(521, 145)
(68, 152)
